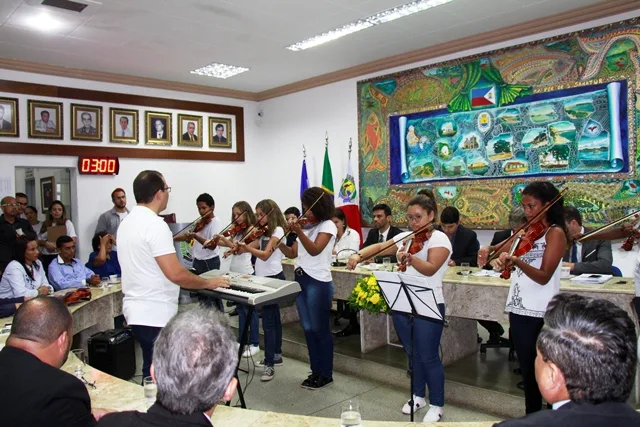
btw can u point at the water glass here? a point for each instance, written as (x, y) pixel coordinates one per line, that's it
(466, 270)
(150, 390)
(386, 262)
(350, 416)
(104, 283)
(78, 364)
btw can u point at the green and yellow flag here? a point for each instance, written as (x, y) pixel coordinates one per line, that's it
(327, 177)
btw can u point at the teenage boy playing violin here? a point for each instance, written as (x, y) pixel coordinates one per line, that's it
(536, 278)
(429, 257)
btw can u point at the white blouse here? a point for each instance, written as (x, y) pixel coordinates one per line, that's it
(17, 283)
(526, 297)
(347, 245)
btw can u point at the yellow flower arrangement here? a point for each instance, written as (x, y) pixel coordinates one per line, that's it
(366, 296)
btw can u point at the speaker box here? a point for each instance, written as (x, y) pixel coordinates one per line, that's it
(113, 352)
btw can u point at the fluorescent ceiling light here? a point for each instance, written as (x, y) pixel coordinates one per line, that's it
(219, 71)
(44, 22)
(361, 24)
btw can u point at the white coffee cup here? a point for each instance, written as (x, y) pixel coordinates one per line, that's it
(565, 272)
(113, 278)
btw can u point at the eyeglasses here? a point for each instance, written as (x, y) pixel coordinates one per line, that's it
(21, 204)
(417, 218)
(8, 205)
(167, 189)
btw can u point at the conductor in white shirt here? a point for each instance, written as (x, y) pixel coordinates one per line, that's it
(151, 272)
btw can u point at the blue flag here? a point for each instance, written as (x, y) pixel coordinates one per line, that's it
(304, 178)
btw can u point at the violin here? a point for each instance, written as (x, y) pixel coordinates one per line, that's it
(202, 223)
(231, 231)
(415, 245)
(523, 244)
(254, 234)
(79, 295)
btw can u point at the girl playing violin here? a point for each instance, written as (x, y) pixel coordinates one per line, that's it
(536, 278)
(204, 258)
(312, 251)
(428, 258)
(243, 218)
(269, 264)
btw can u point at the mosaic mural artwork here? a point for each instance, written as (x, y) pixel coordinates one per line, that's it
(477, 130)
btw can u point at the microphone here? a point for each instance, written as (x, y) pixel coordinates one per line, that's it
(337, 263)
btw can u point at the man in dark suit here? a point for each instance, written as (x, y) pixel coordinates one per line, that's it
(464, 242)
(586, 365)
(589, 257)
(4, 124)
(190, 135)
(194, 363)
(35, 392)
(159, 133)
(382, 229)
(219, 131)
(11, 226)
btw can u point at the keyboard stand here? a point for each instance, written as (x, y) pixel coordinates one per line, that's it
(243, 340)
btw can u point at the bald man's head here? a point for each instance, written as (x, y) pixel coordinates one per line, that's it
(41, 320)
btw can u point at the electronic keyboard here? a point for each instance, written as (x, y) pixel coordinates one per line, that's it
(252, 290)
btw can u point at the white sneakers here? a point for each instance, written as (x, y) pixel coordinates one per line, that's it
(433, 415)
(418, 403)
(251, 351)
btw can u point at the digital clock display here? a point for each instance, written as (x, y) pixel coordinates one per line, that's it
(98, 165)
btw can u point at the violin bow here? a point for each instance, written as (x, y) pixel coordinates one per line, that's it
(404, 239)
(194, 222)
(633, 215)
(226, 228)
(304, 215)
(253, 227)
(539, 215)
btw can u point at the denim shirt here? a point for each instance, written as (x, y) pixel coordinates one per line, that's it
(63, 276)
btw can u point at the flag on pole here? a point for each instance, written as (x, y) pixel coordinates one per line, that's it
(304, 178)
(348, 200)
(327, 176)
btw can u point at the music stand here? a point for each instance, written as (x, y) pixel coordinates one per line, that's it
(411, 295)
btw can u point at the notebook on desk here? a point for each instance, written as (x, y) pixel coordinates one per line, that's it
(595, 279)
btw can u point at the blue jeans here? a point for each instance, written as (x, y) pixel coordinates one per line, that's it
(314, 305)
(254, 333)
(146, 336)
(427, 366)
(272, 327)
(202, 266)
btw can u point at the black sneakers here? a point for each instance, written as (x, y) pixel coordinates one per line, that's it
(315, 382)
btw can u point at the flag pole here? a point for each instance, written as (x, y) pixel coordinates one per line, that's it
(304, 152)
(350, 144)
(326, 139)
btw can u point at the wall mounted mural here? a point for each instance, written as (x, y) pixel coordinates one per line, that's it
(477, 130)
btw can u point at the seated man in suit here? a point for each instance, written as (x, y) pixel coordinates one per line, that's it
(194, 362)
(35, 392)
(464, 241)
(586, 365)
(592, 256)
(382, 229)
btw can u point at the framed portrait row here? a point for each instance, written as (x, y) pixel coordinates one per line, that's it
(45, 121)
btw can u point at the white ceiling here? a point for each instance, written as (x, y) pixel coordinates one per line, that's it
(165, 39)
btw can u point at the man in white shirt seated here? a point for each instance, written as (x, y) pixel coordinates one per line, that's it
(194, 365)
(151, 272)
(586, 365)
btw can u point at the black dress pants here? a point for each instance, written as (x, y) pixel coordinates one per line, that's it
(524, 334)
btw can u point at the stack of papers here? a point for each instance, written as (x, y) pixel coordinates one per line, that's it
(592, 278)
(486, 273)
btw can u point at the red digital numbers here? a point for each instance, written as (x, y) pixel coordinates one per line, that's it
(98, 165)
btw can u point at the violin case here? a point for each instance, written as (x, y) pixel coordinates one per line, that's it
(113, 352)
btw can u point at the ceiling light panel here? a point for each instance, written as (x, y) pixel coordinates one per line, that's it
(219, 71)
(362, 24)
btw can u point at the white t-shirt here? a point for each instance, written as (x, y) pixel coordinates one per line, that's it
(122, 215)
(207, 232)
(319, 266)
(350, 240)
(437, 240)
(636, 274)
(273, 265)
(71, 232)
(150, 299)
(241, 263)
(526, 297)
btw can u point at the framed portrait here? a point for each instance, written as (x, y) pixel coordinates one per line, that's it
(123, 126)
(86, 122)
(45, 119)
(189, 130)
(219, 132)
(158, 128)
(47, 192)
(9, 123)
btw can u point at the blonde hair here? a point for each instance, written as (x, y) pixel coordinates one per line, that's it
(275, 218)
